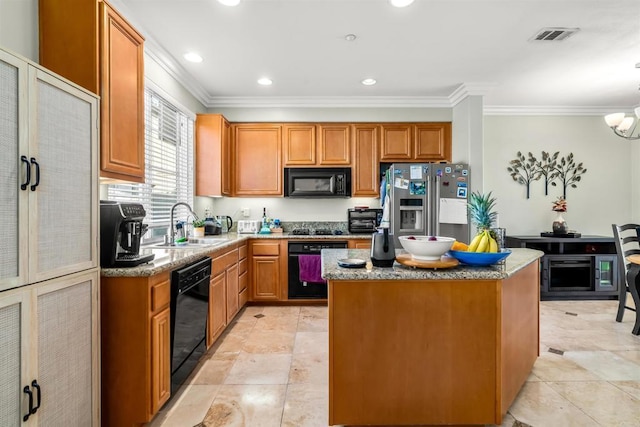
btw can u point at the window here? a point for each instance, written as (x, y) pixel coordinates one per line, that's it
(168, 166)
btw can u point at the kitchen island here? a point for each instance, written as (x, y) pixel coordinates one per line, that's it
(430, 347)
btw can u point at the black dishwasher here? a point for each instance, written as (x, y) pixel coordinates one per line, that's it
(189, 310)
(307, 254)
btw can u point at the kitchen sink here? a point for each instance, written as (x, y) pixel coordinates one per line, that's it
(191, 244)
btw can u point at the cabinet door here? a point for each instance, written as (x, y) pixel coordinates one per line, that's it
(160, 359)
(213, 163)
(359, 244)
(232, 292)
(67, 350)
(122, 92)
(432, 142)
(265, 272)
(606, 273)
(64, 195)
(258, 153)
(396, 142)
(366, 180)
(14, 140)
(14, 356)
(335, 145)
(299, 144)
(217, 308)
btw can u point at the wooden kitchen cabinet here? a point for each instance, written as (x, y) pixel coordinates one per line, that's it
(257, 149)
(136, 336)
(334, 144)
(299, 144)
(227, 264)
(365, 175)
(268, 265)
(432, 142)
(359, 244)
(50, 339)
(217, 307)
(419, 142)
(243, 275)
(213, 160)
(96, 48)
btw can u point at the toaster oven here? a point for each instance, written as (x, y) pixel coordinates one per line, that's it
(364, 220)
(249, 226)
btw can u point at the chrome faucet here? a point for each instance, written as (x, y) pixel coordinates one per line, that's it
(172, 231)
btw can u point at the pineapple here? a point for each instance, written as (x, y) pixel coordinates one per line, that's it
(483, 217)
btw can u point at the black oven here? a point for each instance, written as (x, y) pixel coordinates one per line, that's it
(304, 268)
(317, 182)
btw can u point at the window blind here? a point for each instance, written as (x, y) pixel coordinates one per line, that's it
(169, 136)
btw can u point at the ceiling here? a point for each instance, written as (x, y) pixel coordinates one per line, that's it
(431, 53)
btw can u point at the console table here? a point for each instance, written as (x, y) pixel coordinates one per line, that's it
(574, 267)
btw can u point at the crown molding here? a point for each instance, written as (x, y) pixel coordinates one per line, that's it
(469, 89)
(330, 101)
(550, 110)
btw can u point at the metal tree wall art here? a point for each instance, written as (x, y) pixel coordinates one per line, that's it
(523, 170)
(569, 173)
(547, 168)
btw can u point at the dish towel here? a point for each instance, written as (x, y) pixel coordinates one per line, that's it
(310, 269)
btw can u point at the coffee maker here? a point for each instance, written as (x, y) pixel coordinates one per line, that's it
(121, 230)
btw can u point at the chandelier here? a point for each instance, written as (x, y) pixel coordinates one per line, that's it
(622, 125)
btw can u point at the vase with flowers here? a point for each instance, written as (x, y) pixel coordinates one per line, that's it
(559, 224)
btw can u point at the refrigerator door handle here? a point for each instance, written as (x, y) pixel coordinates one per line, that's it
(429, 218)
(436, 218)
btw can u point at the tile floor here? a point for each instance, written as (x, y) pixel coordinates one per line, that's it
(270, 369)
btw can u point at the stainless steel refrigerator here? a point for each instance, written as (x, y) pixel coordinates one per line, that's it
(428, 199)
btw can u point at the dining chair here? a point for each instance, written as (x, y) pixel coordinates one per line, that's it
(627, 243)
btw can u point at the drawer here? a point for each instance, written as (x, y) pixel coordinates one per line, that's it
(242, 266)
(243, 281)
(243, 297)
(225, 261)
(242, 251)
(265, 248)
(160, 295)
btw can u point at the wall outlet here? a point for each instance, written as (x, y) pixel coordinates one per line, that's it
(246, 212)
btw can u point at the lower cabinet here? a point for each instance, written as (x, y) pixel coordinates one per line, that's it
(243, 276)
(136, 348)
(49, 370)
(359, 244)
(268, 264)
(217, 307)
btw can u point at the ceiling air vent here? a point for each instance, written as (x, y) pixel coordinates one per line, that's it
(555, 34)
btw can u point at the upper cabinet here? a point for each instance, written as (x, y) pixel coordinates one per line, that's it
(257, 149)
(96, 48)
(425, 142)
(365, 160)
(213, 160)
(305, 144)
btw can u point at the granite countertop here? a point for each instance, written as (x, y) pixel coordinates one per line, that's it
(169, 259)
(518, 259)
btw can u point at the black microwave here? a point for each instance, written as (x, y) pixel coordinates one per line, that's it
(317, 182)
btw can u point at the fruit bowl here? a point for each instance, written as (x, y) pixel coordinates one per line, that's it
(423, 249)
(480, 258)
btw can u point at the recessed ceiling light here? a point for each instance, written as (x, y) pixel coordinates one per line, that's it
(400, 3)
(350, 37)
(369, 82)
(265, 81)
(229, 2)
(192, 57)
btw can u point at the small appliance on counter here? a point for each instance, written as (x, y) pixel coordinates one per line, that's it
(363, 220)
(249, 226)
(121, 230)
(383, 252)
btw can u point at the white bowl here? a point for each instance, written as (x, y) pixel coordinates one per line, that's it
(423, 249)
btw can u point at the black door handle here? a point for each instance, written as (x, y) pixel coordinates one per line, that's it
(33, 186)
(25, 184)
(30, 394)
(36, 386)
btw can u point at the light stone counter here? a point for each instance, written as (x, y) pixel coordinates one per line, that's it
(518, 259)
(170, 259)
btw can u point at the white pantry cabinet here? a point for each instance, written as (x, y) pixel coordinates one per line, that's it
(49, 370)
(48, 175)
(49, 351)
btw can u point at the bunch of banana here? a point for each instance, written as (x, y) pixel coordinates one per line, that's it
(483, 242)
